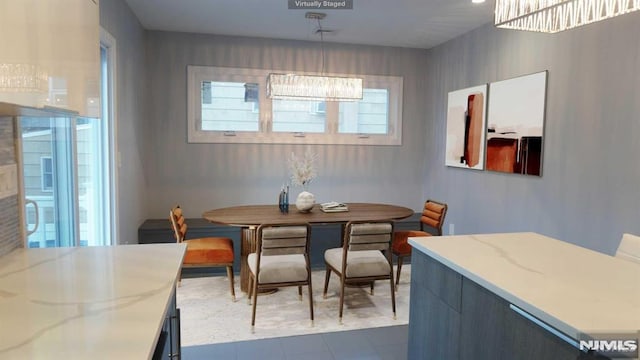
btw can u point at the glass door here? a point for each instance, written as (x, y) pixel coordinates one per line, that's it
(66, 181)
(49, 180)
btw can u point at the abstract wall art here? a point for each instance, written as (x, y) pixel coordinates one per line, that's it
(515, 126)
(466, 114)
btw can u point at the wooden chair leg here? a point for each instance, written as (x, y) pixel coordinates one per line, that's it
(326, 283)
(393, 296)
(250, 289)
(341, 297)
(255, 302)
(300, 293)
(230, 276)
(400, 260)
(372, 285)
(311, 301)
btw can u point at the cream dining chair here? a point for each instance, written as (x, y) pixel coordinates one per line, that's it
(281, 259)
(364, 257)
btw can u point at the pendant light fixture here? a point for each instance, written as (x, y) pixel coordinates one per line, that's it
(314, 87)
(551, 16)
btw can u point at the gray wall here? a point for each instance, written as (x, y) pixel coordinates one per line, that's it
(131, 134)
(589, 192)
(205, 176)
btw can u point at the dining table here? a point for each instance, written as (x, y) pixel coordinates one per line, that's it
(249, 217)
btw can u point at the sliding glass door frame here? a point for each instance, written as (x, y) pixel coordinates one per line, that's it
(108, 100)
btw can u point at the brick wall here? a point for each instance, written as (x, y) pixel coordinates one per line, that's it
(9, 211)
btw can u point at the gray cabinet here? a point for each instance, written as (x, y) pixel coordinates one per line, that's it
(452, 317)
(169, 344)
(434, 315)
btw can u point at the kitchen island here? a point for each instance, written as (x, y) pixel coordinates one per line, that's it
(515, 296)
(87, 302)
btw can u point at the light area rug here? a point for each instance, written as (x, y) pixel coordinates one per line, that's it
(208, 316)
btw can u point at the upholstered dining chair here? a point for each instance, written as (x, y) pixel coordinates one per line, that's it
(281, 259)
(203, 252)
(433, 215)
(629, 248)
(364, 257)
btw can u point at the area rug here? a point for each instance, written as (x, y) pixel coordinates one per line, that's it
(208, 316)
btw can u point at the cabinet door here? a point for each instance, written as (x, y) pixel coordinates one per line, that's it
(434, 320)
(482, 330)
(50, 54)
(528, 341)
(433, 327)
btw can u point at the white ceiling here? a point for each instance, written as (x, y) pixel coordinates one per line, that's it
(404, 23)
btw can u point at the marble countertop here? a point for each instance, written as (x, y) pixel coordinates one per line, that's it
(573, 289)
(86, 302)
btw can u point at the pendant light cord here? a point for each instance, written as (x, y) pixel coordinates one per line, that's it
(321, 45)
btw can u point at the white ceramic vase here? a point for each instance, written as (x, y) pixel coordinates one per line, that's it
(305, 201)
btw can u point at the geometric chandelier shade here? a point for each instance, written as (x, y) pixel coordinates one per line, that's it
(312, 87)
(551, 16)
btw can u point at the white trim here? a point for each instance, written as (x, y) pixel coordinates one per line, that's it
(42, 187)
(197, 74)
(109, 42)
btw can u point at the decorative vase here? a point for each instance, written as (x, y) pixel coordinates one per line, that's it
(305, 201)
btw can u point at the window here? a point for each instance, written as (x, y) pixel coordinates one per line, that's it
(225, 108)
(229, 105)
(46, 173)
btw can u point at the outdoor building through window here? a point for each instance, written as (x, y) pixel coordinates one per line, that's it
(229, 105)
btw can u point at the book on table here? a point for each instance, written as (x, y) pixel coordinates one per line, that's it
(333, 206)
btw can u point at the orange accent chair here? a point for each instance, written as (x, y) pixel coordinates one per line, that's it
(432, 217)
(203, 252)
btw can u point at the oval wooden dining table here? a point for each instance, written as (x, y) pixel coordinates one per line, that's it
(249, 217)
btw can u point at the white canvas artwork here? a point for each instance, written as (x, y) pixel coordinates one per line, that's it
(516, 123)
(466, 128)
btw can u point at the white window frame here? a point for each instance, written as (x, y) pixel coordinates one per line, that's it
(44, 188)
(264, 135)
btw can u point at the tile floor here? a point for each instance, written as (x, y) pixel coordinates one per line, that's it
(374, 343)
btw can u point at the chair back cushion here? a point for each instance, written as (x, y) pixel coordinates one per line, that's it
(433, 215)
(282, 253)
(369, 236)
(629, 248)
(283, 240)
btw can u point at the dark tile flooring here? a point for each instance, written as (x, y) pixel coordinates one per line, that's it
(374, 343)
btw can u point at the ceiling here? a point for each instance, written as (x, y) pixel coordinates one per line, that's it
(404, 23)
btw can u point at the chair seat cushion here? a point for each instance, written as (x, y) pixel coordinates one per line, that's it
(400, 244)
(211, 250)
(359, 263)
(279, 268)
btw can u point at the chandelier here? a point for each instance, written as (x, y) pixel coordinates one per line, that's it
(314, 87)
(23, 78)
(311, 87)
(551, 16)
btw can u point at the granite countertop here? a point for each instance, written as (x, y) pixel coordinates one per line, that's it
(86, 302)
(573, 289)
